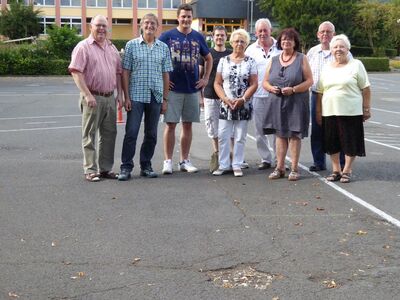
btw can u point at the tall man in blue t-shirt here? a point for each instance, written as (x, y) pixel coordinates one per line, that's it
(186, 46)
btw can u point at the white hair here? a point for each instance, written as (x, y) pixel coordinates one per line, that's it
(327, 23)
(341, 37)
(263, 21)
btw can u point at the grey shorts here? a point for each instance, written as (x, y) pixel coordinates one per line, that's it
(182, 107)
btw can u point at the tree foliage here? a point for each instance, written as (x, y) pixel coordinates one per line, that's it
(19, 21)
(306, 15)
(379, 23)
(61, 41)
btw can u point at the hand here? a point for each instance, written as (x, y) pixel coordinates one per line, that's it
(201, 83)
(238, 103)
(90, 101)
(287, 91)
(120, 101)
(275, 90)
(164, 106)
(128, 104)
(171, 85)
(366, 115)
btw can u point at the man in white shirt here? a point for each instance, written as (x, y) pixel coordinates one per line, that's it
(262, 51)
(318, 56)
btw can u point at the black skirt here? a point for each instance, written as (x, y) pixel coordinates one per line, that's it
(343, 133)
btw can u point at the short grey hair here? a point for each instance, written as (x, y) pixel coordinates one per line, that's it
(265, 21)
(240, 32)
(327, 23)
(341, 37)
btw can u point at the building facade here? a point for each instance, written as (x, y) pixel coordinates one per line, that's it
(126, 14)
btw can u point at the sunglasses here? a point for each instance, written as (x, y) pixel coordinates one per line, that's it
(282, 72)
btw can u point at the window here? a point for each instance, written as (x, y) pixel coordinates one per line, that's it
(122, 21)
(46, 23)
(70, 2)
(147, 3)
(97, 3)
(122, 3)
(44, 2)
(169, 22)
(171, 3)
(72, 23)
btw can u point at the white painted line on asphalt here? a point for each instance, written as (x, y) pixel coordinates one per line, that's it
(373, 122)
(382, 144)
(391, 125)
(385, 110)
(36, 123)
(356, 199)
(37, 129)
(39, 117)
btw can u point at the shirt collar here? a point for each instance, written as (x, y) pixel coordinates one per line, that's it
(273, 44)
(141, 40)
(92, 40)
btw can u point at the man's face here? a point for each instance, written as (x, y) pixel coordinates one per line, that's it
(185, 19)
(263, 32)
(149, 26)
(219, 37)
(98, 29)
(325, 33)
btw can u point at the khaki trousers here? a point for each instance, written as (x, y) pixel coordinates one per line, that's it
(98, 122)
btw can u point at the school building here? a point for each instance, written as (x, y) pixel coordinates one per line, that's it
(126, 14)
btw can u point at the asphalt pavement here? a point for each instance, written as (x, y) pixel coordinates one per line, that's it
(189, 236)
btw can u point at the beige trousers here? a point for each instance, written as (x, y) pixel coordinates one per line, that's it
(98, 123)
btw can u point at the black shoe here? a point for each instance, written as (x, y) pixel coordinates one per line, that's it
(149, 173)
(314, 168)
(124, 175)
(264, 165)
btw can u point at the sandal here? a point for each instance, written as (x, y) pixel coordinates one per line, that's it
(346, 178)
(276, 174)
(108, 175)
(335, 176)
(293, 175)
(92, 177)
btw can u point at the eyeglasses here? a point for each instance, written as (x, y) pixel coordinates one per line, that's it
(281, 72)
(100, 25)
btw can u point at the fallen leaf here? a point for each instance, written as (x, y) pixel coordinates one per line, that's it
(298, 224)
(136, 260)
(236, 202)
(386, 247)
(303, 203)
(13, 295)
(275, 298)
(360, 232)
(67, 263)
(332, 284)
(320, 208)
(317, 197)
(81, 274)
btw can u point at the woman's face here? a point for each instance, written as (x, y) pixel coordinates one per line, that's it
(339, 50)
(287, 43)
(239, 44)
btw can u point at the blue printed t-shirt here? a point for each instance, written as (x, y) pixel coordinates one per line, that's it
(186, 50)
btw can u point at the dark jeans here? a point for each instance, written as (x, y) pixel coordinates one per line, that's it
(316, 138)
(151, 113)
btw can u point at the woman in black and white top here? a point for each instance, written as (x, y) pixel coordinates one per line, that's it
(235, 83)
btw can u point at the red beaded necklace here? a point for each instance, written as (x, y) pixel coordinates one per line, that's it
(285, 61)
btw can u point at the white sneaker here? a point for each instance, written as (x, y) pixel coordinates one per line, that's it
(186, 166)
(237, 172)
(167, 168)
(244, 165)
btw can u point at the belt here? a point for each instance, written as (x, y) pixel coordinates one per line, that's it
(103, 94)
(314, 92)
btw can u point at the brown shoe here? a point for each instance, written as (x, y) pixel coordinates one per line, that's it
(276, 174)
(108, 175)
(92, 177)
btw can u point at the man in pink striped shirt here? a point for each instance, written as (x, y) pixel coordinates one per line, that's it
(96, 69)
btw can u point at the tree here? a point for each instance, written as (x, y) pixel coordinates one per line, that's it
(305, 16)
(19, 21)
(379, 23)
(61, 41)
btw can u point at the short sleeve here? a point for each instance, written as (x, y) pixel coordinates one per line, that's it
(362, 76)
(127, 60)
(78, 59)
(204, 51)
(253, 67)
(167, 62)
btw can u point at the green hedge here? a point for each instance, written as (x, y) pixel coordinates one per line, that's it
(375, 64)
(119, 44)
(368, 51)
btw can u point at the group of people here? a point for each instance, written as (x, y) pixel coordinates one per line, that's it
(268, 81)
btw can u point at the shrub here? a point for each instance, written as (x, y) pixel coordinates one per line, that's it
(61, 41)
(377, 64)
(391, 52)
(361, 51)
(119, 44)
(395, 64)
